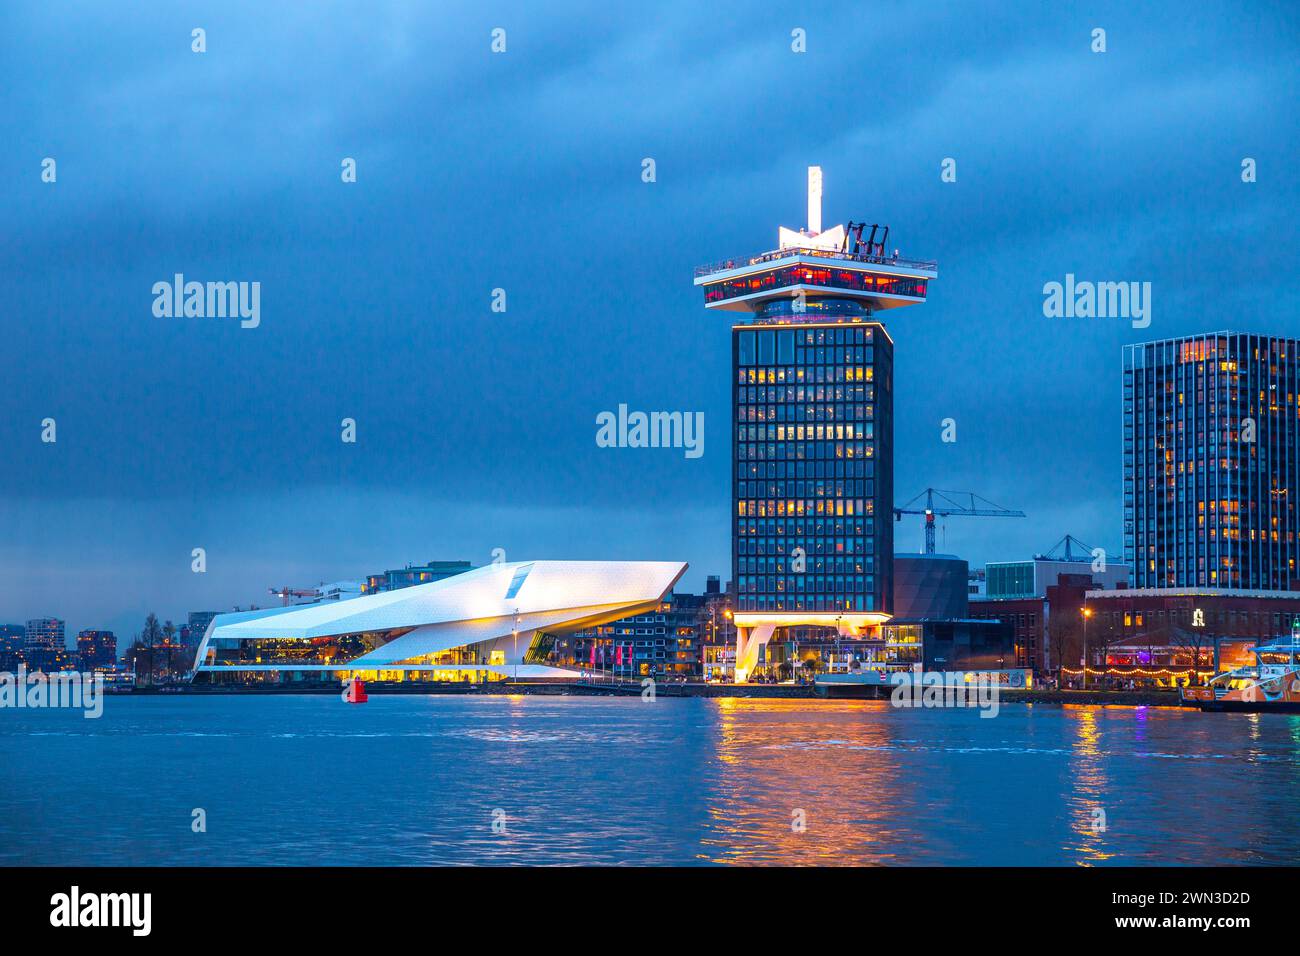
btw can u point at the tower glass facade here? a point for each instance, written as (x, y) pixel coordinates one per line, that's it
(813, 443)
(1212, 461)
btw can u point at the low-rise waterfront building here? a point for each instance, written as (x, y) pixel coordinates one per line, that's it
(1025, 593)
(412, 575)
(1027, 619)
(664, 642)
(957, 645)
(931, 586)
(1202, 628)
(12, 638)
(1008, 580)
(497, 622)
(687, 637)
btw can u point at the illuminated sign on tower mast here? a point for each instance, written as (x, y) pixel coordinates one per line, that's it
(814, 199)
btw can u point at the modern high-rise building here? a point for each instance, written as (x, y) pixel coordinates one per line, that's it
(43, 646)
(197, 625)
(1212, 462)
(812, 426)
(96, 649)
(44, 633)
(12, 639)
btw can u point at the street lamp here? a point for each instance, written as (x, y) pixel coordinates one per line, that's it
(1087, 613)
(712, 642)
(515, 634)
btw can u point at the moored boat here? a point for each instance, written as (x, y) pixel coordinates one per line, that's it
(1272, 684)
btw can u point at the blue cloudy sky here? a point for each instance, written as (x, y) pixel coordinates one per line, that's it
(522, 170)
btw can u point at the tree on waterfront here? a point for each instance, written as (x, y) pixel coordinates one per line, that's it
(137, 658)
(141, 652)
(1065, 638)
(1190, 642)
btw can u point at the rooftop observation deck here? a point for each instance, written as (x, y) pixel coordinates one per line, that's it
(879, 282)
(926, 267)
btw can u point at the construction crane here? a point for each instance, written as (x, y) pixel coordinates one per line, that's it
(949, 504)
(284, 594)
(1068, 553)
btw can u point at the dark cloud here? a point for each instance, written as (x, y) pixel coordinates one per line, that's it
(522, 171)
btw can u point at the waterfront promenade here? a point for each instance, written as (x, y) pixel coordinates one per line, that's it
(618, 688)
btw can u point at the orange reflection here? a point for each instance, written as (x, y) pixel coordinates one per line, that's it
(1088, 812)
(783, 762)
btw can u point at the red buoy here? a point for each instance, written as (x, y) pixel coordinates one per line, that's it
(355, 692)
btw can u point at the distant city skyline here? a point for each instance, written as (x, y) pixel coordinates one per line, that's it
(475, 171)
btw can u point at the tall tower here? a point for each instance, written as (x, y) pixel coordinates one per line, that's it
(812, 426)
(1212, 462)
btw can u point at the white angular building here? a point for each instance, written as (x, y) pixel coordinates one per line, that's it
(494, 622)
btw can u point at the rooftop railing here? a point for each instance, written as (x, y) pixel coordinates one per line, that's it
(742, 262)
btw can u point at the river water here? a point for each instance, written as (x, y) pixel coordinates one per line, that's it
(564, 780)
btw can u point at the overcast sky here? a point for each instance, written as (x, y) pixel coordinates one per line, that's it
(522, 170)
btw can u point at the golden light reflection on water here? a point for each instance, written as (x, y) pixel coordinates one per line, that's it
(1293, 726)
(832, 760)
(1255, 734)
(1087, 803)
(1050, 785)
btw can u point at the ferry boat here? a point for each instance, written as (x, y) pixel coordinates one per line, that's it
(877, 681)
(1271, 685)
